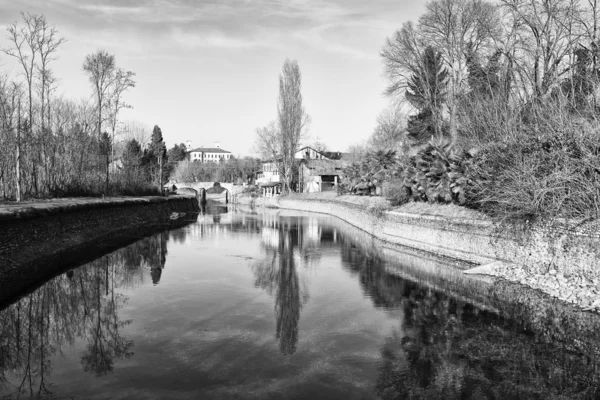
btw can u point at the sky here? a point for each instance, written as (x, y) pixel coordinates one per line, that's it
(207, 71)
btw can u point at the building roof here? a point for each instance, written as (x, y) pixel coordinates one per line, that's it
(325, 167)
(270, 184)
(336, 155)
(209, 150)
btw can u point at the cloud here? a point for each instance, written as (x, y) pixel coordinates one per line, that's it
(226, 24)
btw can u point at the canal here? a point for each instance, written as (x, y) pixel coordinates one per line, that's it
(271, 305)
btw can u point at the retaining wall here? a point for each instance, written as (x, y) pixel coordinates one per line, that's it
(38, 231)
(569, 249)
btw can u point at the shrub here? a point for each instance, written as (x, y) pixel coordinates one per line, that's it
(395, 192)
(555, 174)
(437, 173)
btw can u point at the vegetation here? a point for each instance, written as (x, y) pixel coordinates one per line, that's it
(504, 110)
(55, 146)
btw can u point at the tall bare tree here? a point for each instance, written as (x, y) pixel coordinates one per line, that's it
(280, 140)
(123, 81)
(25, 46)
(48, 42)
(292, 117)
(100, 68)
(10, 135)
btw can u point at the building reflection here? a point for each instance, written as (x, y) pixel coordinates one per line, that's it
(222, 222)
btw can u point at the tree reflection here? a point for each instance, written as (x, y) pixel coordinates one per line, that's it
(287, 301)
(278, 275)
(82, 304)
(448, 349)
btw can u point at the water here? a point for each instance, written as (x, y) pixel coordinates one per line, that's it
(280, 305)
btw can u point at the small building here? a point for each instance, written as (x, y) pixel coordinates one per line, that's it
(269, 173)
(319, 175)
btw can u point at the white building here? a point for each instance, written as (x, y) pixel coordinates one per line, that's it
(208, 154)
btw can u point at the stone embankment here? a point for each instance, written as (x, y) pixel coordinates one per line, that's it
(39, 238)
(560, 259)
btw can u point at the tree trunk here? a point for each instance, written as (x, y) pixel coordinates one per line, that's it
(160, 173)
(107, 168)
(18, 157)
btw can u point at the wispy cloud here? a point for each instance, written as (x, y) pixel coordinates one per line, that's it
(227, 24)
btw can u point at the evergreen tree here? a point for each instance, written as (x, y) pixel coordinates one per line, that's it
(177, 153)
(485, 82)
(427, 92)
(156, 141)
(132, 158)
(155, 159)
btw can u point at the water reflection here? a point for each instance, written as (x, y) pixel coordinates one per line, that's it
(446, 348)
(277, 274)
(82, 304)
(438, 345)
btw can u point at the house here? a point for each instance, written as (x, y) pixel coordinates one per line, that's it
(311, 158)
(208, 154)
(270, 172)
(308, 152)
(320, 175)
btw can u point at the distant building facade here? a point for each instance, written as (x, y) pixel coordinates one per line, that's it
(207, 154)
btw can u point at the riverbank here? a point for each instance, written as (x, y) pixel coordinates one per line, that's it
(39, 238)
(559, 259)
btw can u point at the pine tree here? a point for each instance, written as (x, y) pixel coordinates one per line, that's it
(158, 157)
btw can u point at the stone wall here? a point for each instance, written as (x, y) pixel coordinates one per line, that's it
(31, 234)
(568, 249)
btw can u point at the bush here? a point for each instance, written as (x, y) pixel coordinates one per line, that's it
(542, 165)
(395, 192)
(438, 174)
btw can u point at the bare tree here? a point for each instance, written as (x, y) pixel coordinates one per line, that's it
(455, 27)
(10, 133)
(402, 54)
(48, 42)
(136, 130)
(122, 82)
(100, 68)
(547, 32)
(24, 48)
(390, 132)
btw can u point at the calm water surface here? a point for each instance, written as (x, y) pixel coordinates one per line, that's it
(264, 306)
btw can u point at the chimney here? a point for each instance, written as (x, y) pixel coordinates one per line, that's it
(188, 145)
(217, 145)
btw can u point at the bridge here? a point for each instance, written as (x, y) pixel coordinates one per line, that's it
(199, 187)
